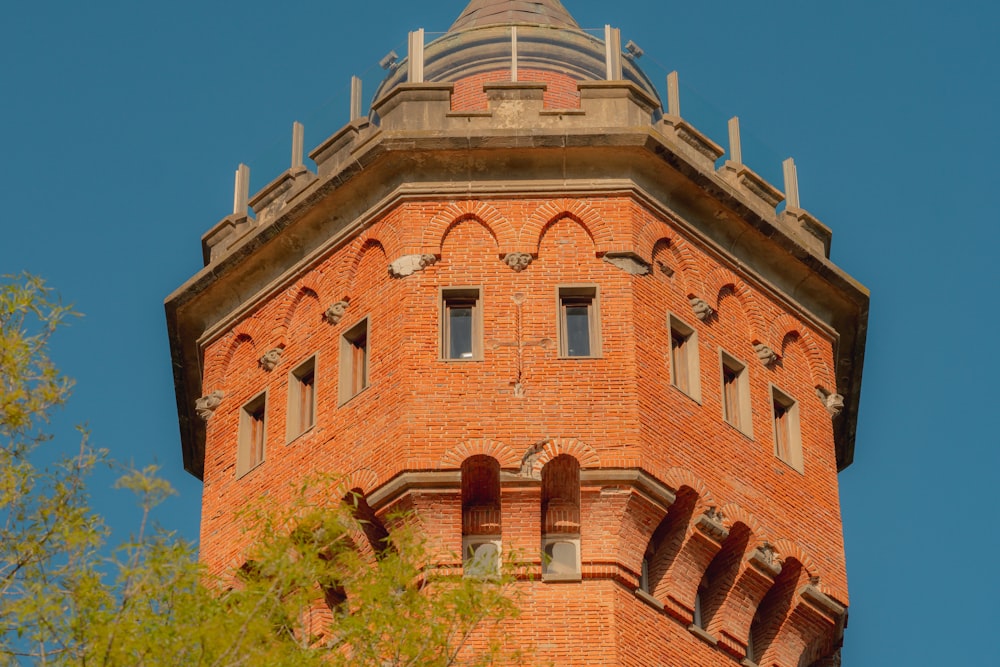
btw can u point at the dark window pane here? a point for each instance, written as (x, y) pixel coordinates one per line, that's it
(577, 331)
(460, 332)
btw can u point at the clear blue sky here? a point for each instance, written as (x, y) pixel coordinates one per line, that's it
(121, 124)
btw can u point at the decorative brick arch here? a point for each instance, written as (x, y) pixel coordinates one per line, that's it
(652, 233)
(677, 477)
(504, 454)
(291, 301)
(733, 514)
(721, 278)
(217, 368)
(488, 216)
(388, 236)
(788, 549)
(789, 331)
(585, 455)
(363, 479)
(352, 258)
(687, 267)
(530, 238)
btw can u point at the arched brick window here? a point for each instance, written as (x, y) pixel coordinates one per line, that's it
(481, 515)
(561, 518)
(666, 542)
(773, 610)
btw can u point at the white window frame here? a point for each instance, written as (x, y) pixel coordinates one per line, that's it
(468, 541)
(690, 335)
(553, 538)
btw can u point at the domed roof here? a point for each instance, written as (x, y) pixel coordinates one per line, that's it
(482, 13)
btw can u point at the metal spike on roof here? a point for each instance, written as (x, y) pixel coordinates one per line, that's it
(482, 13)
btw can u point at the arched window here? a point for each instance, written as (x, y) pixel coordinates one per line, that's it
(561, 518)
(481, 515)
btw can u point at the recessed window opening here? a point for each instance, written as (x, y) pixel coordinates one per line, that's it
(252, 435)
(579, 326)
(461, 324)
(301, 399)
(354, 361)
(787, 436)
(736, 394)
(684, 373)
(561, 518)
(481, 515)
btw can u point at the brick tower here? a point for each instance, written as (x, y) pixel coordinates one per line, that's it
(519, 298)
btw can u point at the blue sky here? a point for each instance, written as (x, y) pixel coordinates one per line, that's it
(121, 124)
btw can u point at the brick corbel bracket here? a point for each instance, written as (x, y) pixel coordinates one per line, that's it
(206, 405)
(695, 554)
(407, 265)
(732, 623)
(812, 630)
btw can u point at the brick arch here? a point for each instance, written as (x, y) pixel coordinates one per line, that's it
(677, 477)
(721, 278)
(585, 455)
(652, 232)
(488, 216)
(687, 267)
(504, 454)
(788, 330)
(733, 514)
(530, 238)
(364, 479)
(217, 368)
(466, 219)
(788, 549)
(348, 268)
(388, 236)
(288, 308)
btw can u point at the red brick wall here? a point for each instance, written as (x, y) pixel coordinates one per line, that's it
(561, 92)
(616, 411)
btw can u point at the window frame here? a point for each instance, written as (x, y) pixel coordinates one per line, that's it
(246, 440)
(744, 412)
(677, 327)
(582, 292)
(294, 426)
(472, 569)
(348, 360)
(463, 294)
(789, 423)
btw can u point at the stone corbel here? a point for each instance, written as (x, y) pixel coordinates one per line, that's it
(517, 261)
(407, 265)
(629, 262)
(206, 405)
(767, 356)
(271, 359)
(335, 313)
(701, 309)
(711, 524)
(765, 558)
(833, 402)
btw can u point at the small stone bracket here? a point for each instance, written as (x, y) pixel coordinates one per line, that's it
(628, 262)
(701, 309)
(765, 558)
(407, 265)
(710, 523)
(822, 601)
(530, 457)
(767, 356)
(206, 405)
(518, 261)
(271, 359)
(335, 313)
(832, 401)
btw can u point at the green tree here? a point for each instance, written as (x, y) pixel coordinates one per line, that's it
(307, 595)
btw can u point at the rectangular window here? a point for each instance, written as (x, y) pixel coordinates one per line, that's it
(461, 324)
(684, 373)
(301, 399)
(252, 435)
(579, 321)
(736, 393)
(481, 556)
(354, 361)
(787, 437)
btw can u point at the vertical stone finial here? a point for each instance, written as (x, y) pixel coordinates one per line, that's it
(673, 95)
(298, 142)
(735, 143)
(416, 70)
(513, 53)
(241, 192)
(791, 184)
(355, 97)
(613, 53)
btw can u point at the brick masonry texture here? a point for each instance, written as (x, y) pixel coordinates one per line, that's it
(615, 411)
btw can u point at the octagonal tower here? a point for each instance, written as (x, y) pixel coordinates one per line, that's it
(520, 299)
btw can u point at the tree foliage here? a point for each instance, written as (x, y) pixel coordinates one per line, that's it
(308, 594)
